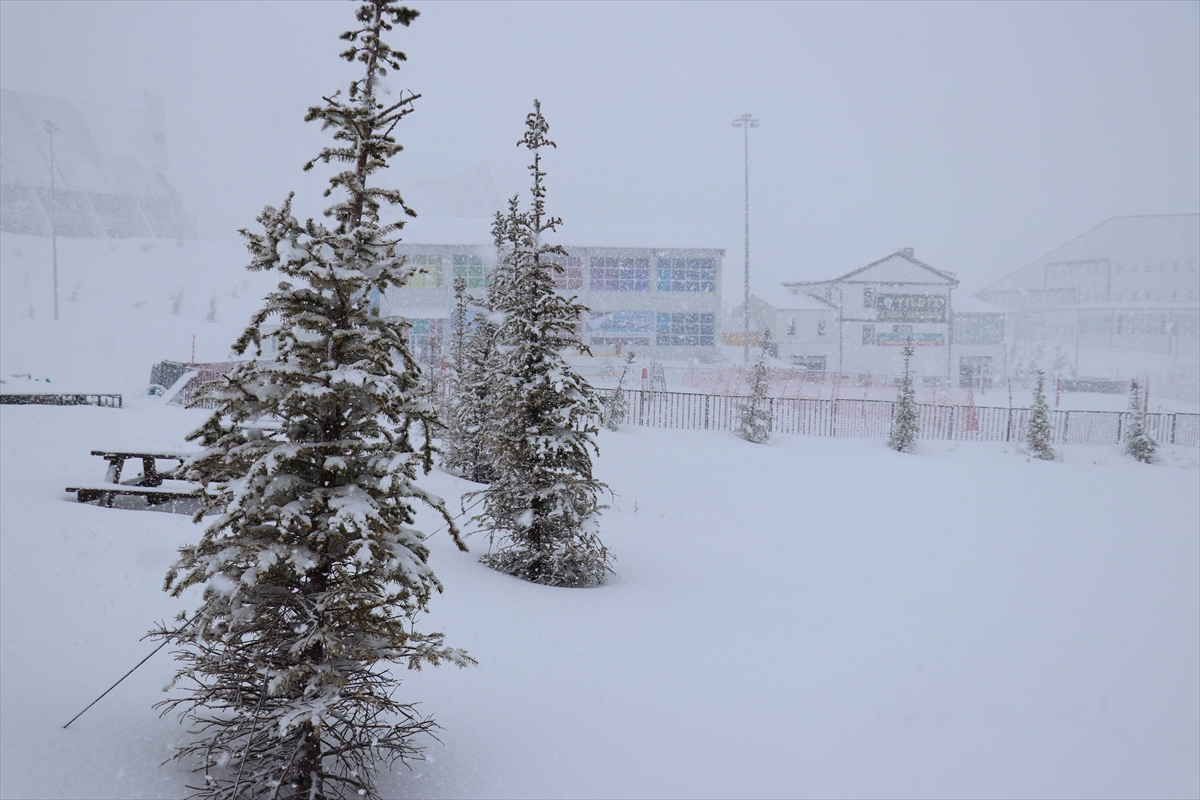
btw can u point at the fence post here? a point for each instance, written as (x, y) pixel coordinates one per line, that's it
(1173, 418)
(706, 399)
(1066, 426)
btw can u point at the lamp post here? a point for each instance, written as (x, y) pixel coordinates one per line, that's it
(50, 129)
(746, 122)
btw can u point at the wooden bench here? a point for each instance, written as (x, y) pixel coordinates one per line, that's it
(154, 496)
(148, 485)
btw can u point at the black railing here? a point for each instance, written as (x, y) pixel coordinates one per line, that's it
(873, 418)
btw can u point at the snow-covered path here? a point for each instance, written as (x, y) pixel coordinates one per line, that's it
(817, 617)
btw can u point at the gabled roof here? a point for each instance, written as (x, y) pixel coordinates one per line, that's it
(807, 301)
(1151, 237)
(903, 257)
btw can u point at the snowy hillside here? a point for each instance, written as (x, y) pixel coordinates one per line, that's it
(816, 617)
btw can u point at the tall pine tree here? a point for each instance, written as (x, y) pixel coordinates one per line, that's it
(1040, 432)
(542, 506)
(1138, 441)
(904, 413)
(311, 569)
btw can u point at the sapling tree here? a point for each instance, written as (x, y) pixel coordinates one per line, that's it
(755, 420)
(467, 406)
(311, 569)
(1039, 431)
(1138, 441)
(542, 508)
(616, 407)
(905, 428)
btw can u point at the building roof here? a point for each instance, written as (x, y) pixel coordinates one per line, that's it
(1155, 238)
(899, 267)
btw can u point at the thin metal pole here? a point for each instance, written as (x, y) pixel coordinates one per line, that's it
(50, 129)
(746, 122)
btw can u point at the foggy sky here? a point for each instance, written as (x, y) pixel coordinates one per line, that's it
(983, 135)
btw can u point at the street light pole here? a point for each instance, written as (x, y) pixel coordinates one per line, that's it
(746, 122)
(50, 129)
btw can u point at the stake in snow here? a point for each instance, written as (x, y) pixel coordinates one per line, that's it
(312, 572)
(542, 503)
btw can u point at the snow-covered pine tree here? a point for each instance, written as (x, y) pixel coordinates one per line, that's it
(1138, 441)
(904, 413)
(467, 408)
(311, 569)
(543, 503)
(616, 407)
(755, 420)
(1039, 432)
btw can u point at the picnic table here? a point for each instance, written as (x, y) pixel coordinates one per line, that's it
(148, 485)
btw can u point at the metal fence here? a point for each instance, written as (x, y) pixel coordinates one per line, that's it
(74, 399)
(873, 418)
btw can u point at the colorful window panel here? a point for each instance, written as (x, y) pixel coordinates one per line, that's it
(571, 275)
(685, 330)
(472, 270)
(629, 327)
(610, 274)
(687, 275)
(430, 275)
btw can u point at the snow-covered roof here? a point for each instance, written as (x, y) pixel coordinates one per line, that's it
(806, 301)
(899, 267)
(1170, 238)
(973, 305)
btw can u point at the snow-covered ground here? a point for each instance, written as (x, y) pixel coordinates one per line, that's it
(815, 617)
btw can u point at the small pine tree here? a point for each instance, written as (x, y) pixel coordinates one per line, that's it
(311, 568)
(1138, 442)
(543, 500)
(468, 409)
(1040, 432)
(616, 407)
(755, 420)
(904, 413)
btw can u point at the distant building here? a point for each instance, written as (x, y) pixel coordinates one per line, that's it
(96, 194)
(859, 322)
(663, 303)
(1130, 282)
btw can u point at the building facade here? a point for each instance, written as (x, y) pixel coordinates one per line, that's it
(1131, 283)
(664, 303)
(859, 323)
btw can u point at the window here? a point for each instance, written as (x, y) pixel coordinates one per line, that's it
(472, 270)
(621, 327)
(687, 275)
(425, 339)
(611, 274)
(685, 330)
(979, 328)
(869, 297)
(809, 363)
(868, 336)
(571, 275)
(430, 276)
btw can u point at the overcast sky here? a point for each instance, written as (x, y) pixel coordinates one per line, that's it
(981, 134)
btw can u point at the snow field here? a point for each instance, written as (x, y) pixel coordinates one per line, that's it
(815, 617)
